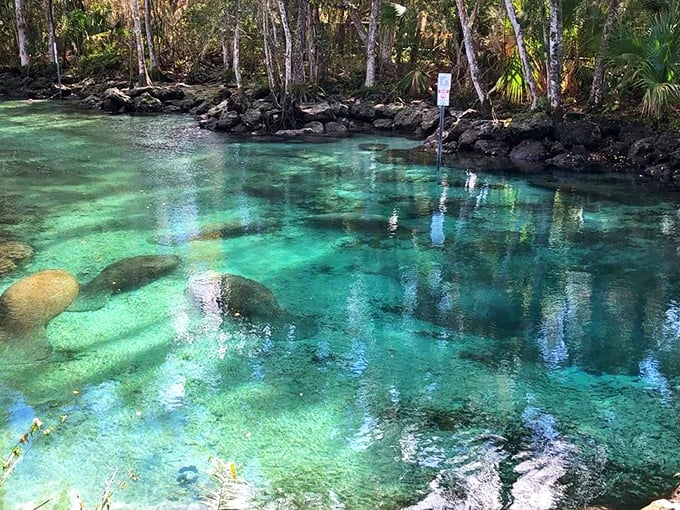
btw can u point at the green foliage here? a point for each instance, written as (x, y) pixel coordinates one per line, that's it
(511, 83)
(648, 60)
(415, 83)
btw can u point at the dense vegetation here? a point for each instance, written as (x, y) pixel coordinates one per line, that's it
(550, 53)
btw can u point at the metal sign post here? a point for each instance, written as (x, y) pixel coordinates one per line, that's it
(443, 93)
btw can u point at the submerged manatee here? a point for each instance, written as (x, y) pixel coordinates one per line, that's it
(351, 221)
(27, 306)
(231, 295)
(124, 275)
(225, 230)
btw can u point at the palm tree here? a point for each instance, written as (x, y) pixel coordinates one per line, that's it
(555, 54)
(649, 60)
(521, 50)
(468, 42)
(370, 44)
(597, 88)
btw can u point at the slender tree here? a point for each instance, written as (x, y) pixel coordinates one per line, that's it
(24, 57)
(153, 61)
(143, 75)
(466, 28)
(236, 53)
(555, 54)
(224, 41)
(289, 48)
(299, 43)
(521, 49)
(51, 40)
(597, 87)
(268, 59)
(370, 44)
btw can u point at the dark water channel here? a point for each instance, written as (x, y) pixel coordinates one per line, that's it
(506, 341)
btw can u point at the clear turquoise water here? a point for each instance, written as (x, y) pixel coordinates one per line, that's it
(514, 338)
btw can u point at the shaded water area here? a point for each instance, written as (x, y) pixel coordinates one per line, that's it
(504, 341)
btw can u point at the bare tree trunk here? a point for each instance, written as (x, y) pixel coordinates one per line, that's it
(370, 44)
(312, 46)
(386, 46)
(556, 49)
(475, 75)
(268, 62)
(153, 61)
(299, 46)
(236, 58)
(142, 74)
(597, 88)
(521, 49)
(24, 57)
(289, 48)
(225, 41)
(356, 21)
(51, 41)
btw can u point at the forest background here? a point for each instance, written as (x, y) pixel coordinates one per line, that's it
(611, 55)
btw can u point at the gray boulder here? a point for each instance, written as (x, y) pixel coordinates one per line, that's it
(362, 110)
(317, 111)
(581, 132)
(335, 129)
(643, 152)
(227, 120)
(530, 151)
(494, 148)
(408, 118)
(567, 161)
(534, 127)
(146, 103)
(116, 101)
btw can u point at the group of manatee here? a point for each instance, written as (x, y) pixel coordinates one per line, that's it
(28, 305)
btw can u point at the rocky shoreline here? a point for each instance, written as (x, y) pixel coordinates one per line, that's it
(527, 142)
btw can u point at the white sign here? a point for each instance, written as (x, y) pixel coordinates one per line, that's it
(443, 89)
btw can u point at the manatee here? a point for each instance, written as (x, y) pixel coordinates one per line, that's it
(27, 306)
(225, 230)
(10, 253)
(124, 275)
(351, 221)
(230, 295)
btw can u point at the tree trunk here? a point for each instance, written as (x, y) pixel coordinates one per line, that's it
(268, 61)
(153, 61)
(356, 21)
(475, 75)
(597, 88)
(24, 57)
(142, 75)
(312, 44)
(370, 44)
(225, 41)
(289, 48)
(556, 44)
(236, 55)
(299, 46)
(51, 41)
(521, 49)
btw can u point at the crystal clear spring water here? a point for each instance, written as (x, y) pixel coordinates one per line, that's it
(511, 341)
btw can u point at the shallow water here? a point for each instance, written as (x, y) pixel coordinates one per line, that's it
(512, 341)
